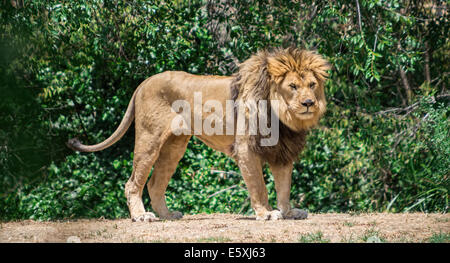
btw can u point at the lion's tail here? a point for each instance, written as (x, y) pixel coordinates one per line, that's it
(76, 145)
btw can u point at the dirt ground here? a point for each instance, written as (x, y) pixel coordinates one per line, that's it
(379, 227)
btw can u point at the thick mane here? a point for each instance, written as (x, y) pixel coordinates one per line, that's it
(254, 81)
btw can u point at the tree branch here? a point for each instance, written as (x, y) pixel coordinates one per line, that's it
(412, 107)
(405, 84)
(413, 130)
(404, 78)
(427, 63)
(359, 15)
(223, 190)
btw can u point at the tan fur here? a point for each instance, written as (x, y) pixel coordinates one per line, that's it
(267, 75)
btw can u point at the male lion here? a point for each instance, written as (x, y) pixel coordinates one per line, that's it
(293, 77)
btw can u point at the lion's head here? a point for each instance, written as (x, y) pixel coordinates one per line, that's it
(296, 79)
(293, 77)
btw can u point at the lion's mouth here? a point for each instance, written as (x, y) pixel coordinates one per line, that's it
(305, 115)
(307, 112)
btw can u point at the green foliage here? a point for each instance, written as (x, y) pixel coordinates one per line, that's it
(69, 69)
(439, 238)
(313, 238)
(377, 162)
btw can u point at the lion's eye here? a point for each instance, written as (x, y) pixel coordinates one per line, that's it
(293, 86)
(312, 85)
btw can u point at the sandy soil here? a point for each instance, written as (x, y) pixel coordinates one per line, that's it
(380, 227)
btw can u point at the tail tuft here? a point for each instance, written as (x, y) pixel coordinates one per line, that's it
(74, 144)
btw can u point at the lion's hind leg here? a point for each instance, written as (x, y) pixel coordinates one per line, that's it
(146, 152)
(169, 156)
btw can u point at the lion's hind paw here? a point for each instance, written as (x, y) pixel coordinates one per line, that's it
(146, 217)
(271, 215)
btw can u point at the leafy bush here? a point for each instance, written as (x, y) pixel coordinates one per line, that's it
(69, 69)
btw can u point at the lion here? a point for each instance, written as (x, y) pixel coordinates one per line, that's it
(292, 77)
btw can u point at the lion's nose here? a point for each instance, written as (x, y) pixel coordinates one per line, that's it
(308, 103)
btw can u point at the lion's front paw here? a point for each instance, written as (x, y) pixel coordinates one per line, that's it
(296, 214)
(146, 217)
(172, 216)
(270, 215)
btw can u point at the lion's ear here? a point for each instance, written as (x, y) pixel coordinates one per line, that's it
(276, 68)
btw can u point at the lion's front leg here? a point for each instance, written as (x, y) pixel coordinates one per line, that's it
(250, 165)
(283, 178)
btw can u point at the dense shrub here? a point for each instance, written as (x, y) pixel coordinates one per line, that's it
(69, 69)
